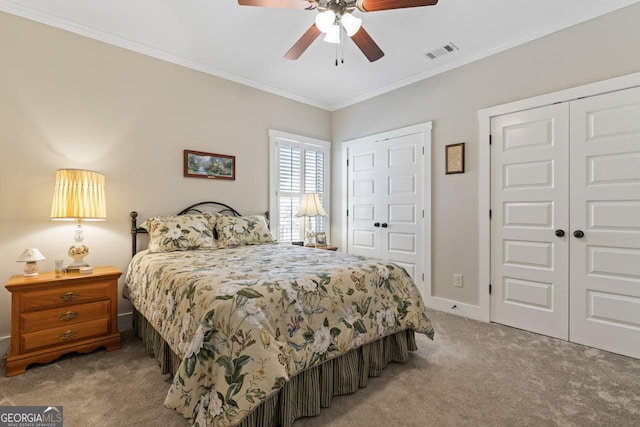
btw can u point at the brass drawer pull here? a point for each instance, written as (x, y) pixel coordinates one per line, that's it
(69, 335)
(69, 296)
(69, 315)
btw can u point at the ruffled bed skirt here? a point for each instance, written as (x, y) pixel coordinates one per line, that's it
(310, 390)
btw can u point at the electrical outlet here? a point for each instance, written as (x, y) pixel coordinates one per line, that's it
(457, 280)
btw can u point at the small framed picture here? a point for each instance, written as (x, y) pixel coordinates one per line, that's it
(455, 158)
(321, 238)
(198, 164)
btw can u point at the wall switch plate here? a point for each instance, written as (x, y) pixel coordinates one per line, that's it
(457, 280)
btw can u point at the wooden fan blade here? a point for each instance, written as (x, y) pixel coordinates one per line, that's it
(303, 43)
(365, 43)
(284, 4)
(375, 5)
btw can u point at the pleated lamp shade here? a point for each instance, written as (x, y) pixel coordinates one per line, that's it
(310, 205)
(79, 194)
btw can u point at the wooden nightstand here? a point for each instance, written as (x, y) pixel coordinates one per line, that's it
(327, 248)
(52, 316)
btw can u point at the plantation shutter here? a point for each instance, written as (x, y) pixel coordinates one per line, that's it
(289, 192)
(314, 181)
(300, 167)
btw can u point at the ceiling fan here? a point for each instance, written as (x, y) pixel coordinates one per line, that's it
(335, 17)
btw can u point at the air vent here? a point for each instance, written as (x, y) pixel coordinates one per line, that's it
(446, 49)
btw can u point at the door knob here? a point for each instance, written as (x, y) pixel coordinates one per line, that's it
(384, 225)
(578, 234)
(560, 233)
(376, 224)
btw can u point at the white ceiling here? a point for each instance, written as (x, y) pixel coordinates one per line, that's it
(247, 44)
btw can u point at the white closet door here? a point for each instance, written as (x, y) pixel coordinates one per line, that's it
(529, 267)
(386, 182)
(364, 189)
(605, 206)
(401, 227)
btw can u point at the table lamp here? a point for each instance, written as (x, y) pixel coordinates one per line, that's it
(310, 206)
(79, 196)
(31, 257)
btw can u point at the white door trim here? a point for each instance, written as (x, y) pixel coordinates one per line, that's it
(424, 128)
(484, 165)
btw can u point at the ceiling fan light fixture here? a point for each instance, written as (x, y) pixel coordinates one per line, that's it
(333, 35)
(325, 20)
(351, 24)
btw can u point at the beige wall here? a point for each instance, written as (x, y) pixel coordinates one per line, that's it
(70, 102)
(600, 49)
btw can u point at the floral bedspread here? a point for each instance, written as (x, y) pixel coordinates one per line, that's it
(246, 319)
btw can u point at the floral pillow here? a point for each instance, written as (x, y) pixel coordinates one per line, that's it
(245, 230)
(180, 232)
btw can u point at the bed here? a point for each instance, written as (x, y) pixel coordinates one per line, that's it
(259, 333)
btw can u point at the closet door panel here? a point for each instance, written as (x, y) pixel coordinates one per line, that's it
(402, 232)
(529, 190)
(605, 207)
(363, 193)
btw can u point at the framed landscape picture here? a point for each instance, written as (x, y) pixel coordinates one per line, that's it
(198, 164)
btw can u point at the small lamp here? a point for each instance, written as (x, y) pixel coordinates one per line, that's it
(310, 206)
(31, 257)
(79, 196)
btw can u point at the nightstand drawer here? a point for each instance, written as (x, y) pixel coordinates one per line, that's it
(59, 317)
(64, 334)
(65, 295)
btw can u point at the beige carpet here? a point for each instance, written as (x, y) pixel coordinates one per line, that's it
(473, 374)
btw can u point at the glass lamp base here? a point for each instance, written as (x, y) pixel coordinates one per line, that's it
(311, 236)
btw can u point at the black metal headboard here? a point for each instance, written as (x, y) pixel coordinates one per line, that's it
(135, 230)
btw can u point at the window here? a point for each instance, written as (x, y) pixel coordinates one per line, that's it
(298, 165)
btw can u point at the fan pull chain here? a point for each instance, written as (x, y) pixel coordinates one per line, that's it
(340, 43)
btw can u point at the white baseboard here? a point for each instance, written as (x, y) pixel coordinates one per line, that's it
(458, 308)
